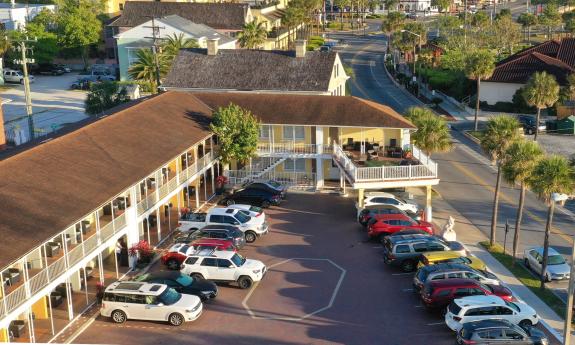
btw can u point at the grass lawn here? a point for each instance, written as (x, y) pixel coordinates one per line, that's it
(526, 278)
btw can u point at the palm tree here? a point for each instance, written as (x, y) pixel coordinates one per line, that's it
(390, 24)
(172, 45)
(341, 4)
(521, 158)
(479, 64)
(253, 35)
(552, 174)
(145, 68)
(501, 132)
(292, 17)
(432, 133)
(541, 91)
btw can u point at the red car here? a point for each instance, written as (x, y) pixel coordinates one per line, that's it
(384, 224)
(174, 257)
(439, 293)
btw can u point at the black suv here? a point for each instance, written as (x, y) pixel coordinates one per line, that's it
(202, 288)
(254, 197)
(488, 332)
(371, 211)
(528, 123)
(222, 232)
(49, 69)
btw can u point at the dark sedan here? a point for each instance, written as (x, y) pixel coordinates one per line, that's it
(254, 197)
(202, 288)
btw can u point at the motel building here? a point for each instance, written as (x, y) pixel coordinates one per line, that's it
(71, 201)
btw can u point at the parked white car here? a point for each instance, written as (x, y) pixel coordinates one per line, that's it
(383, 198)
(252, 227)
(225, 267)
(557, 268)
(13, 76)
(249, 210)
(477, 308)
(125, 300)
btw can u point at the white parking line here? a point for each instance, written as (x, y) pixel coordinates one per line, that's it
(418, 306)
(401, 274)
(435, 324)
(407, 290)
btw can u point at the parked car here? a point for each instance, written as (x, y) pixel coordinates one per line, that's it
(125, 300)
(224, 267)
(437, 294)
(81, 84)
(13, 76)
(177, 253)
(252, 227)
(529, 124)
(410, 232)
(477, 308)
(270, 185)
(384, 224)
(49, 69)
(557, 268)
(249, 210)
(369, 212)
(65, 67)
(382, 198)
(405, 251)
(202, 288)
(451, 271)
(215, 231)
(325, 48)
(488, 332)
(448, 256)
(254, 197)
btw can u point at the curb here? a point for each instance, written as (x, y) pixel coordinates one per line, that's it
(417, 100)
(469, 136)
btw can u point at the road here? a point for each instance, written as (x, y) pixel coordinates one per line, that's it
(467, 178)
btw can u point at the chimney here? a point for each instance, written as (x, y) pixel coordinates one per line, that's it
(213, 46)
(300, 48)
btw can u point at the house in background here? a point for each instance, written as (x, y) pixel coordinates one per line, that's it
(257, 71)
(270, 13)
(554, 57)
(15, 16)
(138, 37)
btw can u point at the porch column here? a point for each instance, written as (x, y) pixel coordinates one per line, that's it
(319, 172)
(213, 178)
(319, 139)
(344, 192)
(428, 213)
(101, 273)
(76, 281)
(360, 196)
(197, 188)
(131, 214)
(205, 187)
(158, 222)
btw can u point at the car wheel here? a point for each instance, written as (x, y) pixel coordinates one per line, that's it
(525, 324)
(381, 237)
(408, 266)
(250, 236)
(197, 276)
(547, 277)
(119, 316)
(526, 263)
(176, 319)
(173, 264)
(530, 131)
(229, 202)
(245, 282)
(265, 204)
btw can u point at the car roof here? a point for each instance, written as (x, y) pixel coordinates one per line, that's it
(460, 282)
(379, 195)
(443, 255)
(381, 206)
(487, 323)
(215, 241)
(160, 275)
(447, 267)
(218, 254)
(392, 216)
(411, 238)
(540, 250)
(478, 301)
(224, 211)
(136, 288)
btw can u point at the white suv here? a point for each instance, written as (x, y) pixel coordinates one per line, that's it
(147, 301)
(224, 266)
(382, 198)
(477, 308)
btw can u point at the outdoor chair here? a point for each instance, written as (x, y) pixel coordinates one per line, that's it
(56, 299)
(11, 276)
(17, 328)
(52, 249)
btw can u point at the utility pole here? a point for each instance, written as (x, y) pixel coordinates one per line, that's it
(21, 47)
(155, 37)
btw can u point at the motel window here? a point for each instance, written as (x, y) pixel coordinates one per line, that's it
(265, 131)
(294, 132)
(294, 164)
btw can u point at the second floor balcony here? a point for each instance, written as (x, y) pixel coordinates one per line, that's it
(292, 149)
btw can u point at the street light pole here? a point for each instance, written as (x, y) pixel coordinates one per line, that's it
(414, 55)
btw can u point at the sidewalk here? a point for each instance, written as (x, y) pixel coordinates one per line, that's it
(470, 236)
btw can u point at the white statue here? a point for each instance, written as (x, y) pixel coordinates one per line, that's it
(448, 233)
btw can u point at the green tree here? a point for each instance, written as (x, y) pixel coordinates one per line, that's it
(172, 45)
(500, 133)
(570, 25)
(144, 69)
(479, 64)
(390, 4)
(527, 20)
(551, 18)
(505, 12)
(237, 130)
(390, 24)
(568, 91)
(253, 35)
(79, 26)
(480, 20)
(507, 34)
(541, 91)
(552, 174)
(521, 158)
(46, 18)
(103, 96)
(341, 4)
(46, 46)
(448, 25)
(292, 18)
(432, 133)
(442, 5)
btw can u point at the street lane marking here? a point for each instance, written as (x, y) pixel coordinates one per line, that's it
(436, 324)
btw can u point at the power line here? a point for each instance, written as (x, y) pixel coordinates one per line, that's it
(21, 47)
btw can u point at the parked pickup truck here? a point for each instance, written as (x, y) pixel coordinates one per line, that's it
(252, 227)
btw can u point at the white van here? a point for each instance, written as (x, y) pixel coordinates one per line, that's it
(147, 301)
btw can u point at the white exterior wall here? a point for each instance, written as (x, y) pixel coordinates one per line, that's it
(338, 78)
(15, 18)
(498, 92)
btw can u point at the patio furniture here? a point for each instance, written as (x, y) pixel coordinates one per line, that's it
(151, 183)
(61, 289)
(89, 272)
(393, 152)
(120, 203)
(11, 276)
(17, 328)
(52, 249)
(371, 154)
(59, 240)
(56, 299)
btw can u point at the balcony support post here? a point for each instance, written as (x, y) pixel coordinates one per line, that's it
(319, 172)
(360, 197)
(428, 213)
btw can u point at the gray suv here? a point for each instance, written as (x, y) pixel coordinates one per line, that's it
(451, 270)
(405, 251)
(487, 332)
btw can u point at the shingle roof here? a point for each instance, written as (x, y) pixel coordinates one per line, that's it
(240, 69)
(47, 187)
(554, 57)
(221, 16)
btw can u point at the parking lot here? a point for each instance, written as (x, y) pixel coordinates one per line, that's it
(325, 284)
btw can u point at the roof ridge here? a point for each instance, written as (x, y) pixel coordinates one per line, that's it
(543, 58)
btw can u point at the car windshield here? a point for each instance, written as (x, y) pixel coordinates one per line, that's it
(464, 259)
(238, 260)
(244, 212)
(487, 287)
(184, 249)
(513, 306)
(242, 217)
(185, 280)
(169, 297)
(255, 209)
(556, 260)
(274, 184)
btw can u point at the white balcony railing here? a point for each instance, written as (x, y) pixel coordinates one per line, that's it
(426, 168)
(294, 179)
(289, 148)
